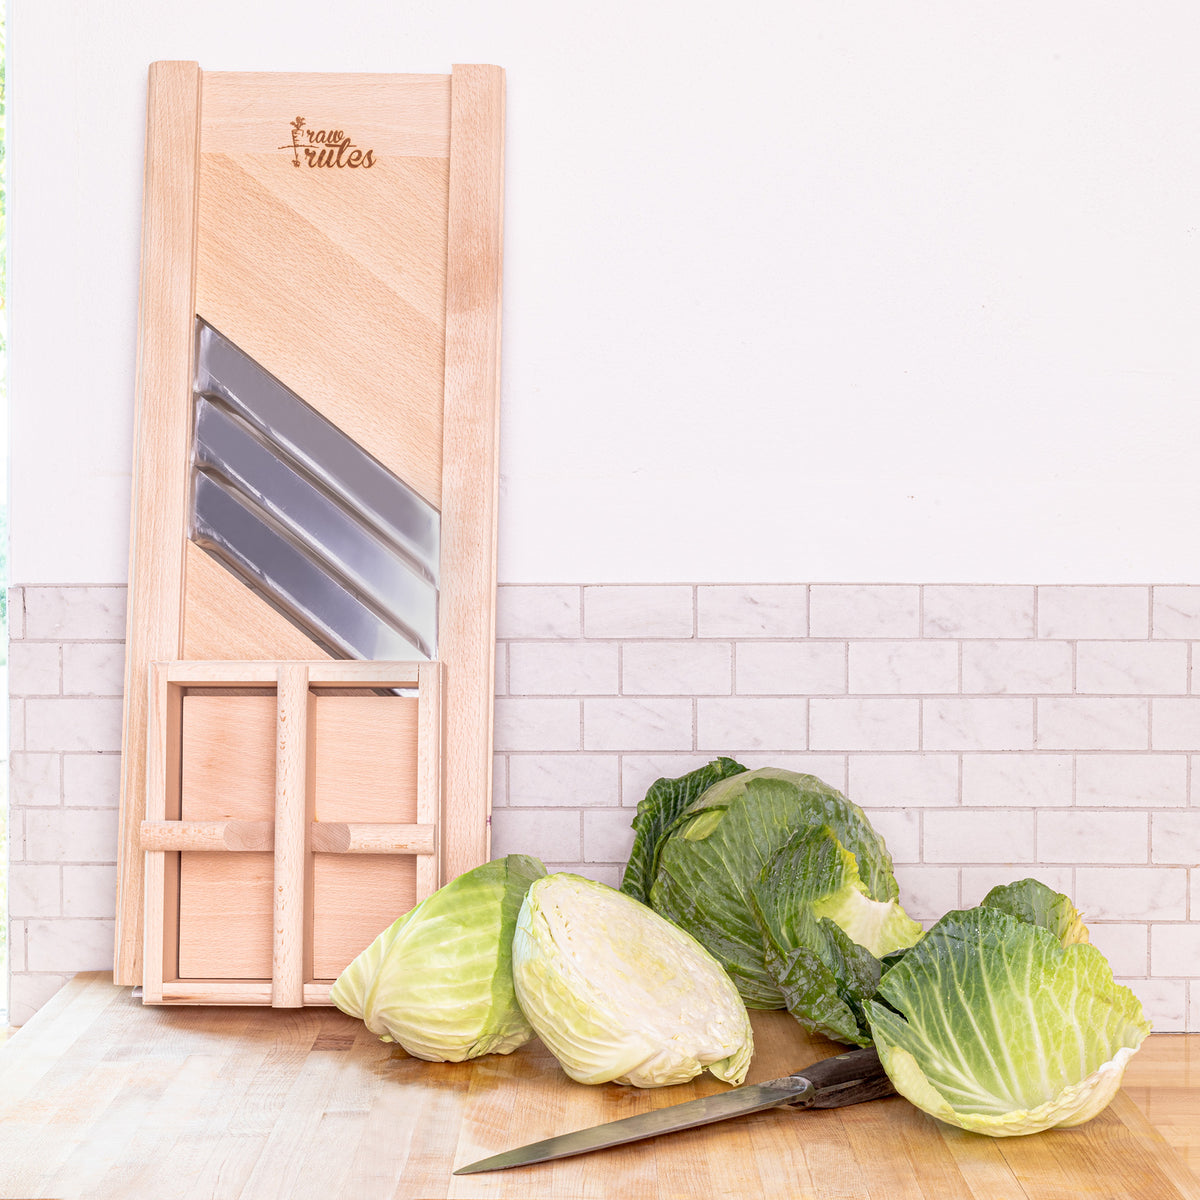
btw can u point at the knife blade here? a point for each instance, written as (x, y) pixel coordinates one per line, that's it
(850, 1078)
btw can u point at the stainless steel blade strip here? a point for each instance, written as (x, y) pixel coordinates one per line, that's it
(299, 587)
(228, 447)
(706, 1110)
(306, 517)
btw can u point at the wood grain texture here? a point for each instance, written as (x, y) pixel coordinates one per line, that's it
(99, 1095)
(470, 473)
(292, 818)
(224, 619)
(430, 811)
(166, 310)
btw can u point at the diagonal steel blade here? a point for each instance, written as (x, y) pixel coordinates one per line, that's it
(319, 528)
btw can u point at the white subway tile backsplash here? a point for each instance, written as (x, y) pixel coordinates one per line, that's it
(521, 723)
(1175, 838)
(683, 668)
(35, 668)
(607, 835)
(1173, 948)
(1091, 836)
(978, 881)
(914, 781)
(564, 780)
(1176, 612)
(1131, 668)
(34, 890)
(927, 892)
(1017, 780)
(563, 668)
(864, 724)
(978, 611)
(69, 945)
(748, 611)
(639, 771)
(1175, 724)
(93, 668)
(89, 891)
(1017, 668)
(1131, 780)
(867, 611)
(535, 611)
(1132, 893)
(16, 947)
(903, 668)
(900, 830)
(981, 835)
(1124, 944)
(75, 614)
(70, 724)
(553, 835)
(734, 724)
(35, 779)
(791, 668)
(977, 723)
(1082, 611)
(1084, 723)
(15, 611)
(637, 611)
(1163, 1000)
(91, 780)
(991, 732)
(637, 723)
(78, 835)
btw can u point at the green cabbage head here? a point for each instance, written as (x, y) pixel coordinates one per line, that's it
(439, 980)
(993, 1024)
(619, 994)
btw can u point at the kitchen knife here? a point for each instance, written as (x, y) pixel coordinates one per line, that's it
(849, 1078)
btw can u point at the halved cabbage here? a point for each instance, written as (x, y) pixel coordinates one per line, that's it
(619, 994)
(439, 980)
(993, 1025)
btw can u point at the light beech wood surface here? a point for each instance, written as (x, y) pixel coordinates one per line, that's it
(102, 1097)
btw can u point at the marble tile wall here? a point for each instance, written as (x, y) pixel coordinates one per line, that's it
(991, 731)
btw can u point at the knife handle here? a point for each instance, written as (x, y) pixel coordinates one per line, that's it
(849, 1078)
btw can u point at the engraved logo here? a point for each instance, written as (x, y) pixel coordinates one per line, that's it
(325, 148)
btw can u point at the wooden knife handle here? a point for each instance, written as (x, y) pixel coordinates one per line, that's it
(849, 1078)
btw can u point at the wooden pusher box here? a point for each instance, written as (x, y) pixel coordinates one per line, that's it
(292, 813)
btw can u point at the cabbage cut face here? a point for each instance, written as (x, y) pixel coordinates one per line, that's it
(619, 994)
(1002, 1029)
(439, 980)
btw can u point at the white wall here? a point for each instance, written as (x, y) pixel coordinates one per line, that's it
(794, 291)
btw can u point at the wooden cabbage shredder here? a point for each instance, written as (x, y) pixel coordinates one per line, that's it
(310, 652)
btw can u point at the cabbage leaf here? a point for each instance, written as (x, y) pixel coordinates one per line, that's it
(992, 1024)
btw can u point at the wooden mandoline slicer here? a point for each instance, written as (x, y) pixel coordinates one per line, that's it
(311, 631)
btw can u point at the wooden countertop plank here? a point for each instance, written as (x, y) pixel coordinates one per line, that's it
(103, 1097)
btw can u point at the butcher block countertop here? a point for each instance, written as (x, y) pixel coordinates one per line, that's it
(102, 1097)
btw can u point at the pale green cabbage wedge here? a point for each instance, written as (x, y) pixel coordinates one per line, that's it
(618, 993)
(439, 980)
(993, 1025)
